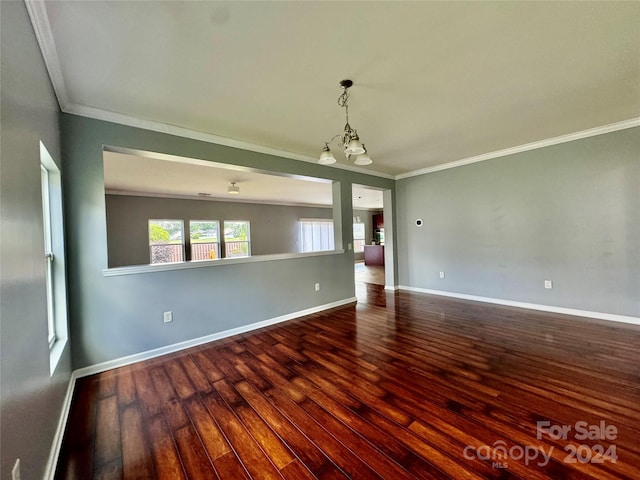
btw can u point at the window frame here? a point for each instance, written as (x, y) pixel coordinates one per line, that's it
(330, 236)
(218, 243)
(183, 243)
(54, 256)
(48, 254)
(363, 239)
(224, 238)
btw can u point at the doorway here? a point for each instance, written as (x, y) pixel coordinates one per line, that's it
(368, 237)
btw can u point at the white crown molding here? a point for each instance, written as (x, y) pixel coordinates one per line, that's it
(122, 119)
(40, 20)
(592, 132)
(531, 306)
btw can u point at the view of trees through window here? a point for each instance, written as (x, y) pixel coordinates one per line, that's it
(205, 239)
(237, 239)
(166, 241)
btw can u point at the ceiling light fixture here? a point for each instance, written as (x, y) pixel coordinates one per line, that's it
(233, 189)
(348, 139)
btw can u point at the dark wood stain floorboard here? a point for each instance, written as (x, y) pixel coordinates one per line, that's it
(402, 385)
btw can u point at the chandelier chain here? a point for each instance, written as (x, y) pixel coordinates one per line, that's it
(343, 101)
(348, 139)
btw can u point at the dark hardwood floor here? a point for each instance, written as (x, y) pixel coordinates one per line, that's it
(405, 386)
(368, 273)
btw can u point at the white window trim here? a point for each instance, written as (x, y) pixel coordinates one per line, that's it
(184, 240)
(248, 237)
(48, 255)
(364, 238)
(53, 224)
(322, 221)
(191, 243)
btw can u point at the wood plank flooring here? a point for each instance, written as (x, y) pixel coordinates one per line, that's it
(369, 273)
(404, 386)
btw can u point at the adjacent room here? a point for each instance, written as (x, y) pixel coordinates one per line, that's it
(313, 240)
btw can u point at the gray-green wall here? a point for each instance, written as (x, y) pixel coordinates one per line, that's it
(274, 228)
(569, 213)
(115, 316)
(31, 400)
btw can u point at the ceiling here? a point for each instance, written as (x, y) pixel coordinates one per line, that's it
(170, 176)
(434, 82)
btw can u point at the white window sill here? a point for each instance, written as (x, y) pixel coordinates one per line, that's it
(55, 353)
(161, 267)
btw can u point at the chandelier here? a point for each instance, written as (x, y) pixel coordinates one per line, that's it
(348, 139)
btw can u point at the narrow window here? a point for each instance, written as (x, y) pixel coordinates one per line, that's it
(205, 239)
(54, 257)
(166, 241)
(316, 235)
(237, 239)
(358, 237)
(48, 255)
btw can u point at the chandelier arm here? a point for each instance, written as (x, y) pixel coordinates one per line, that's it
(348, 139)
(333, 138)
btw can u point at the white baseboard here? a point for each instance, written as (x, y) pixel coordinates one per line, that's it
(533, 306)
(52, 462)
(156, 352)
(393, 288)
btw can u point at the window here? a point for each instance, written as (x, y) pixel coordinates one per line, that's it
(316, 235)
(358, 237)
(55, 275)
(48, 254)
(237, 239)
(166, 241)
(205, 239)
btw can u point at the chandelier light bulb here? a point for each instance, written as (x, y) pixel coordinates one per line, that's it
(363, 159)
(349, 138)
(326, 157)
(354, 147)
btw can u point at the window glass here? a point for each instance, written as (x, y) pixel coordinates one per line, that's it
(54, 257)
(48, 255)
(316, 235)
(237, 239)
(166, 241)
(205, 239)
(358, 237)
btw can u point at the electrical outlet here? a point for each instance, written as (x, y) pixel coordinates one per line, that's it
(168, 317)
(15, 472)
(317, 287)
(548, 284)
(441, 274)
(349, 246)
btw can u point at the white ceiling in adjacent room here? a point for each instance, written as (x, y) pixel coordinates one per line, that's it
(161, 175)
